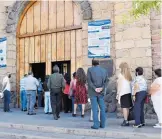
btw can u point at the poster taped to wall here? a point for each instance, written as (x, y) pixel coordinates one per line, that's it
(99, 39)
(3, 42)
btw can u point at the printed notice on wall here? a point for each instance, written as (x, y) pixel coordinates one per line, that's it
(3, 42)
(99, 39)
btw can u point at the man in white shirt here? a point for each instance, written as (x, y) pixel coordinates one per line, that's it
(6, 88)
(31, 85)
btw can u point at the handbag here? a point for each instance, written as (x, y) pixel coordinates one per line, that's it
(147, 100)
(131, 114)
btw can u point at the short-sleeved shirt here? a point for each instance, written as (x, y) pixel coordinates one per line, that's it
(6, 80)
(142, 83)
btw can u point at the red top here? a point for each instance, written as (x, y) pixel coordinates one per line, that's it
(66, 90)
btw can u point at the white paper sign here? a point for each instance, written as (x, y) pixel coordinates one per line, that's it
(99, 39)
(3, 42)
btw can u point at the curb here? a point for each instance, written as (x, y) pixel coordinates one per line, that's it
(85, 132)
(22, 136)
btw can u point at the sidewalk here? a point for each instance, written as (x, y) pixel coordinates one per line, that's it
(74, 125)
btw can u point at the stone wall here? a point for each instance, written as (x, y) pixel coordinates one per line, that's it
(156, 29)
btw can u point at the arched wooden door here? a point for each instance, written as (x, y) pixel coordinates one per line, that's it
(49, 31)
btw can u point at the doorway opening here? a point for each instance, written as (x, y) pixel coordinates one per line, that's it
(64, 66)
(39, 70)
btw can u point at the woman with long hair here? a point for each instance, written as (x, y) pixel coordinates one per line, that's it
(156, 96)
(81, 91)
(124, 91)
(66, 100)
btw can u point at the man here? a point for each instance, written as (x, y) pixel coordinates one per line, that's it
(97, 80)
(56, 84)
(31, 85)
(23, 94)
(40, 93)
(6, 89)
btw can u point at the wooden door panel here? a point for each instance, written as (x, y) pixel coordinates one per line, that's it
(68, 13)
(67, 45)
(54, 42)
(44, 15)
(73, 62)
(23, 26)
(48, 54)
(37, 17)
(43, 48)
(31, 50)
(30, 20)
(22, 57)
(60, 46)
(52, 15)
(60, 14)
(27, 43)
(37, 49)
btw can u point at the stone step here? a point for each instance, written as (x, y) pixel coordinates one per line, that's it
(101, 133)
(6, 133)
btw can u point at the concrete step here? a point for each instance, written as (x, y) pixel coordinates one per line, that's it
(41, 132)
(7, 133)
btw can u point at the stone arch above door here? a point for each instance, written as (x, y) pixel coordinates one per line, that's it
(19, 6)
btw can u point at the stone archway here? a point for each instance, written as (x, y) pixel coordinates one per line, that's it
(19, 6)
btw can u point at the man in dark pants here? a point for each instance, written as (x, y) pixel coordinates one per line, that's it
(6, 88)
(56, 84)
(97, 80)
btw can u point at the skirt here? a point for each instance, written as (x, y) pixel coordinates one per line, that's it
(126, 101)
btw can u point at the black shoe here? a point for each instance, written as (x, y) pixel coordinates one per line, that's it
(32, 113)
(25, 110)
(74, 115)
(94, 127)
(55, 117)
(143, 124)
(46, 113)
(125, 123)
(50, 113)
(82, 116)
(58, 116)
(137, 126)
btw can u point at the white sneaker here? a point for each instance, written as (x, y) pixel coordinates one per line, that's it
(158, 126)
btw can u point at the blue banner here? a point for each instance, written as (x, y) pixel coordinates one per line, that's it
(3, 42)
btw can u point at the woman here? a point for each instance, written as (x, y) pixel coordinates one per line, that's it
(156, 97)
(72, 91)
(81, 91)
(139, 95)
(124, 91)
(66, 100)
(47, 101)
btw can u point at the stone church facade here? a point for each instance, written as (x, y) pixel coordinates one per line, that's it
(137, 43)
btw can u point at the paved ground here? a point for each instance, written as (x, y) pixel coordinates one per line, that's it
(67, 121)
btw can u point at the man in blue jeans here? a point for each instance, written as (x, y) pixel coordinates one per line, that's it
(6, 89)
(97, 81)
(23, 94)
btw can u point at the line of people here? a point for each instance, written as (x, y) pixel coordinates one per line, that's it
(130, 93)
(133, 92)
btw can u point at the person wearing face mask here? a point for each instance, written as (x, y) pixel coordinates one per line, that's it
(6, 89)
(139, 95)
